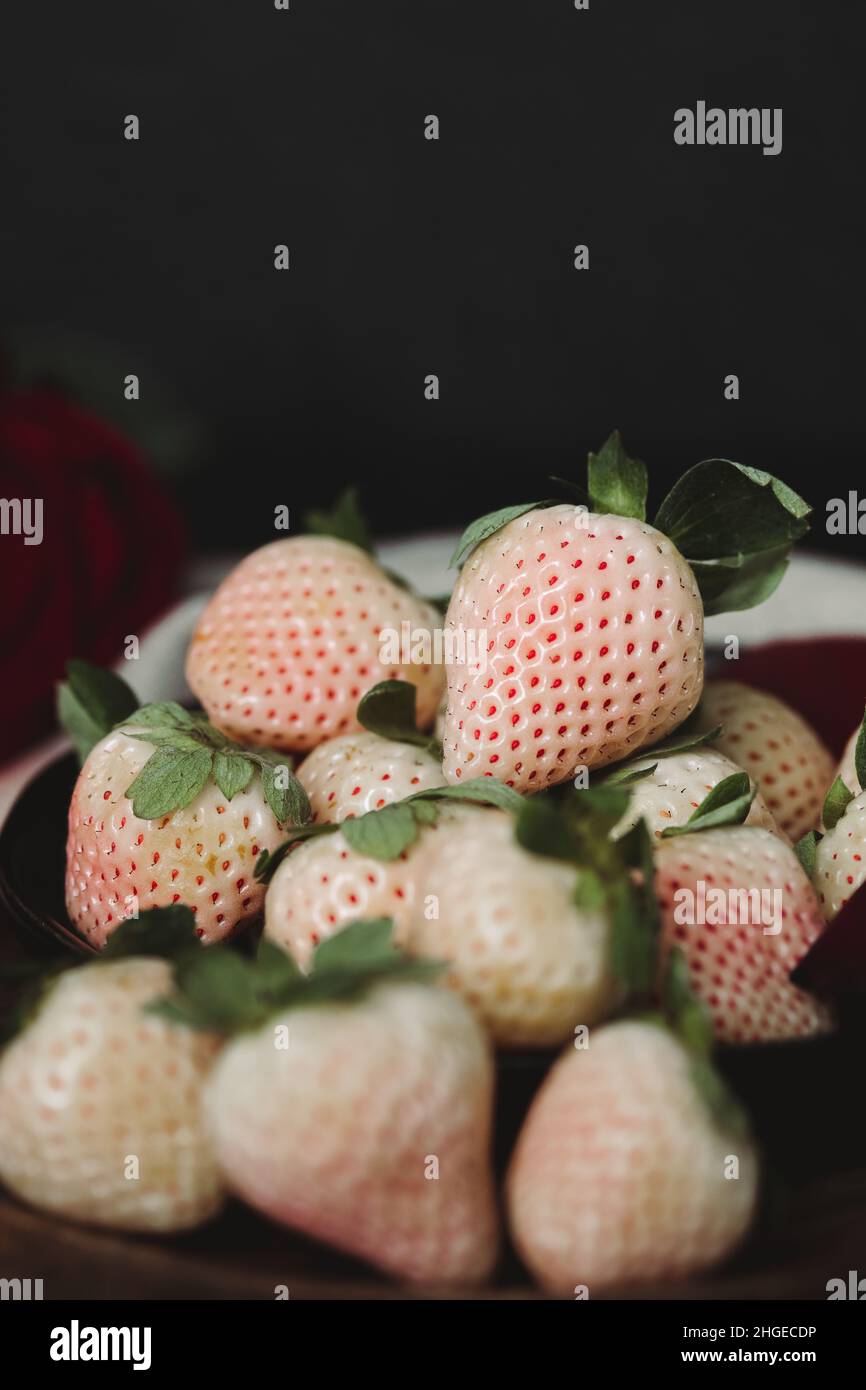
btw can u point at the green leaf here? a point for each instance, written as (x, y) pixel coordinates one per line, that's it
(607, 804)
(576, 828)
(806, 850)
(718, 502)
(362, 943)
(276, 970)
(344, 521)
(73, 718)
(382, 834)
(169, 780)
(289, 803)
(487, 791)
(165, 714)
(232, 772)
(90, 702)
(737, 582)
(166, 737)
(223, 991)
(835, 803)
(269, 861)
(625, 775)
(727, 792)
(159, 931)
(105, 696)
(180, 1012)
(735, 526)
(728, 803)
(684, 740)
(542, 828)
(684, 1011)
(590, 893)
(361, 955)
(617, 483)
(219, 986)
(388, 709)
(478, 531)
(860, 755)
(636, 924)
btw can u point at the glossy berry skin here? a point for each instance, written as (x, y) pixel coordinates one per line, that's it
(357, 773)
(619, 1173)
(369, 1129)
(531, 964)
(775, 745)
(291, 641)
(840, 859)
(202, 855)
(594, 648)
(101, 1105)
(740, 970)
(671, 794)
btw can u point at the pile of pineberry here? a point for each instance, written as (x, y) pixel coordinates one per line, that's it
(566, 840)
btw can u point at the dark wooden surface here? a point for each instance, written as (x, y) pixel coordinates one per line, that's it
(238, 1256)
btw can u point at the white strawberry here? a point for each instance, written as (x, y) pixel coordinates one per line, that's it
(362, 772)
(324, 884)
(579, 634)
(356, 1105)
(840, 857)
(165, 810)
(532, 963)
(594, 647)
(775, 745)
(203, 855)
(101, 1103)
(388, 761)
(622, 1174)
(297, 633)
(738, 904)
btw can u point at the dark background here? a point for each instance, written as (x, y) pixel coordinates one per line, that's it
(411, 257)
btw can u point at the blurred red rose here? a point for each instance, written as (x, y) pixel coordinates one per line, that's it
(108, 561)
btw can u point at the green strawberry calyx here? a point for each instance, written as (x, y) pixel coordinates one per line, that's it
(728, 803)
(389, 710)
(806, 850)
(734, 525)
(187, 748)
(344, 521)
(221, 991)
(387, 833)
(90, 702)
(836, 803)
(614, 876)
